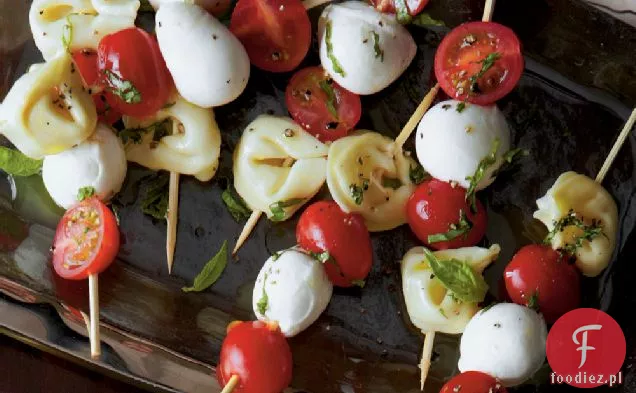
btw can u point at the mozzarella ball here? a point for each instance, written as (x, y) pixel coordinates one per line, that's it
(451, 143)
(506, 341)
(209, 65)
(362, 49)
(589, 201)
(98, 162)
(292, 289)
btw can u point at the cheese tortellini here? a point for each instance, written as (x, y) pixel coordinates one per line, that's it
(47, 110)
(589, 201)
(366, 175)
(430, 305)
(90, 21)
(192, 147)
(278, 165)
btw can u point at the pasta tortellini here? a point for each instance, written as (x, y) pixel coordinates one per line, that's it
(366, 175)
(430, 305)
(578, 195)
(47, 110)
(278, 166)
(83, 23)
(181, 137)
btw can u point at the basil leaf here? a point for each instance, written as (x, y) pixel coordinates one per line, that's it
(533, 302)
(460, 107)
(417, 174)
(155, 203)
(67, 34)
(486, 64)
(476, 178)
(462, 227)
(15, 163)
(402, 12)
(158, 129)
(235, 204)
(277, 208)
(389, 182)
(331, 98)
(85, 192)
(263, 302)
(590, 232)
(357, 192)
(321, 257)
(122, 88)
(423, 20)
(358, 283)
(376, 46)
(210, 272)
(459, 278)
(334, 61)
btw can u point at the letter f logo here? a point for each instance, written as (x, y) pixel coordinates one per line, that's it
(584, 347)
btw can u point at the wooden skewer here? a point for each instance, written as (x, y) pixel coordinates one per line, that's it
(171, 219)
(93, 298)
(489, 9)
(425, 361)
(416, 117)
(231, 384)
(622, 137)
(253, 220)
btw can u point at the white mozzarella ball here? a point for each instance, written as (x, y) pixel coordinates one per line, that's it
(362, 49)
(292, 289)
(98, 162)
(506, 341)
(208, 63)
(451, 143)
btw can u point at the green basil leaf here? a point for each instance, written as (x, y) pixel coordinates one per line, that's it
(210, 272)
(158, 129)
(331, 98)
(417, 174)
(462, 227)
(590, 231)
(67, 34)
(376, 46)
(402, 12)
(423, 20)
(358, 283)
(357, 191)
(460, 107)
(278, 208)
(321, 257)
(235, 204)
(263, 302)
(486, 64)
(15, 163)
(85, 192)
(155, 202)
(476, 178)
(337, 67)
(459, 278)
(122, 88)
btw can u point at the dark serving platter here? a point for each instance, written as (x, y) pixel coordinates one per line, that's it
(576, 92)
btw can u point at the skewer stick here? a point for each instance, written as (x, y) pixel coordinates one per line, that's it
(416, 117)
(489, 9)
(253, 220)
(425, 361)
(617, 147)
(93, 334)
(171, 219)
(231, 384)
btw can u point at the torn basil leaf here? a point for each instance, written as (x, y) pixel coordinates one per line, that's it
(15, 163)
(85, 192)
(277, 208)
(210, 272)
(458, 277)
(462, 227)
(235, 204)
(155, 202)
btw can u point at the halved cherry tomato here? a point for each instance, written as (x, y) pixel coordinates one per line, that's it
(258, 353)
(479, 62)
(388, 6)
(323, 226)
(86, 240)
(436, 208)
(276, 33)
(320, 105)
(105, 113)
(473, 382)
(539, 276)
(136, 79)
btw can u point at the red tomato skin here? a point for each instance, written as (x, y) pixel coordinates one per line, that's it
(108, 243)
(388, 6)
(435, 205)
(310, 111)
(473, 382)
(512, 58)
(275, 33)
(86, 62)
(134, 56)
(105, 113)
(259, 355)
(537, 268)
(323, 226)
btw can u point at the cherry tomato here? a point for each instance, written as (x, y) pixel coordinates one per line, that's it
(473, 382)
(258, 353)
(323, 226)
(134, 74)
(539, 276)
(436, 208)
(86, 240)
(388, 6)
(479, 62)
(320, 105)
(276, 33)
(105, 113)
